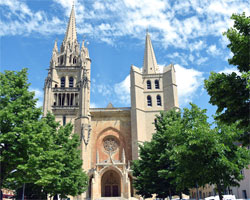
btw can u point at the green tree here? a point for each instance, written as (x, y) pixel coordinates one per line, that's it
(228, 159)
(35, 151)
(152, 170)
(207, 156)
(230, 92)
(186, 152)
(191, 148)
(17, 111)
(59, 168)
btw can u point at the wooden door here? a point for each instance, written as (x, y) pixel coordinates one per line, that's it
(107, 191)
(115, 190)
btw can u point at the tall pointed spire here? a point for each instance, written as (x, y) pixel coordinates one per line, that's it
(149, 62)
(71, 29)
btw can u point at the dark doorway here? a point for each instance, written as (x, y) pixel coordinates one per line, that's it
(111, 184)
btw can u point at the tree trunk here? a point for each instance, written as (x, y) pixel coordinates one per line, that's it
(197, 192)
(220, 191)
(180, 195)
(170, 196)
(23, 191)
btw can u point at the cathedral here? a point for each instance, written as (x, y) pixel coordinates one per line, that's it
(109, 136)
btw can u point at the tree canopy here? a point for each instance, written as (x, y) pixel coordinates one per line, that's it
(152, 170)
(36, 151)
(17, 112)
(230, 92)
(186, 152)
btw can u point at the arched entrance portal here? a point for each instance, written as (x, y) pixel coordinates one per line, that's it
(111, 184)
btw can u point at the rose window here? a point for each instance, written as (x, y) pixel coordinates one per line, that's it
(110, 144)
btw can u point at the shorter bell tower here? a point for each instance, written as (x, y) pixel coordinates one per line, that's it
(151, 91)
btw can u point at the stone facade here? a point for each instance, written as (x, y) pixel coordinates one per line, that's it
(109, 136)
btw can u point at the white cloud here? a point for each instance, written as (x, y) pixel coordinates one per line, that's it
(228, 70)
(191, 58)
(23, 21)
(224, 42)
(201, 60)
(103, 89)
(38, 92)
(38, 95)
(93, 105)
(182, 58)
(213, 50)
(230, 55)
(129, 18)
(122, 91)
(188, 82)
(196, 46)
(98, 6)
(115, 93)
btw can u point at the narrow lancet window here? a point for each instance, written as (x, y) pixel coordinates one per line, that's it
(157, 86)
(64, 120)
(60, 100)
(148, 84)
(63, 82)
(55, 99)
(61, 61)
(68, 98)
(70, 58)
(71, 82)
(149, 100)
(158, 99)
(72, 100)
(63, 99)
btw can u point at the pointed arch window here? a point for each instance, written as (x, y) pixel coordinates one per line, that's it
(158, 100)
(148, 84)
(70, 58)
(64, 120)
(61, 60)
(63, 82)
(60, 100)
(157, 86)
(74, 60)
(149, 100)
(71, 82)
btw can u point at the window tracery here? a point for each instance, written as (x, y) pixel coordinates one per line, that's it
(110, 144)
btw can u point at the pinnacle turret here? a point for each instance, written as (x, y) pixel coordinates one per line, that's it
(84, 50)
(55, 46)
(149, 62)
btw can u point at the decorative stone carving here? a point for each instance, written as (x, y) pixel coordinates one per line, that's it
(85, 140)
(85, 79)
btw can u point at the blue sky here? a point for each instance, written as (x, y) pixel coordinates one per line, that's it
(187, 33)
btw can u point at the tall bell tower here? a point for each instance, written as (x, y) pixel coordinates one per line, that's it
(67, 86)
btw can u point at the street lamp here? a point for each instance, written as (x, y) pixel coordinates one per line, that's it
(23, 183)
